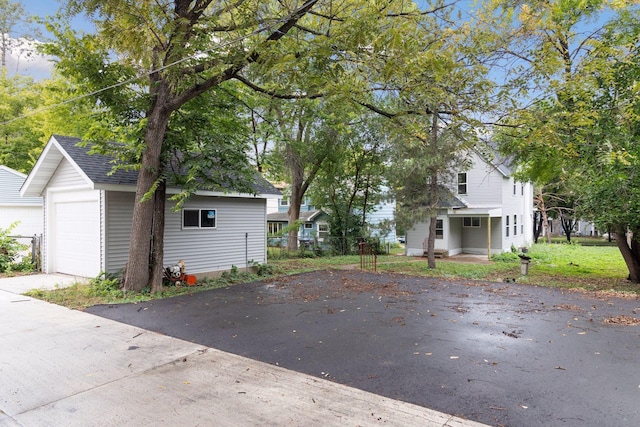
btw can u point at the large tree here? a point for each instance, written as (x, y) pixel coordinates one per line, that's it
(351, 182)
(174, 51)
(576, 72)
(20, 136)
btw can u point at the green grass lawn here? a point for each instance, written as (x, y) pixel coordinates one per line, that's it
(592, 268)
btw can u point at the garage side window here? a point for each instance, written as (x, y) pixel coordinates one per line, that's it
(199, 218)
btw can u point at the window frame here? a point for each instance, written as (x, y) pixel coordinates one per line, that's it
(507, 226)
(272, 225)
(439, 229)
(472, 222)
(463, 184)
(284, 201)
(308, 226)
(515, 225)
(200, 212)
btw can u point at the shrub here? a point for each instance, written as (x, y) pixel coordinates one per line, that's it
(105, 285)
(505, 257)
(9, 249)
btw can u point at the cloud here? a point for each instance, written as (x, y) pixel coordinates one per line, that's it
(24, 59)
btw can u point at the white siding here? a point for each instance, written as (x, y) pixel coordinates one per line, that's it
(66, 176)
(29, 219)
(484, 184)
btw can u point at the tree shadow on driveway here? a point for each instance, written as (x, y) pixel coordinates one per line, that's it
(497, 353)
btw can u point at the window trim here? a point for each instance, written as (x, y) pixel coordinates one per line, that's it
(308, 226)
(471, 222)
(464, 184)
(274, 225)
(507, 226)
(515, 225)
(284, 201)
(200, 212)
(439, 229)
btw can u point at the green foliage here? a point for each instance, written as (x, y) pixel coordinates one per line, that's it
(10, 250)
(106, 286)
(505, 257)
(21, 139)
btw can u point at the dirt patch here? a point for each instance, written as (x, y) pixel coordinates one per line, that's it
(570, 307)
(622, 320)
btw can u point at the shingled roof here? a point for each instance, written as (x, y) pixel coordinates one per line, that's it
(97, 168)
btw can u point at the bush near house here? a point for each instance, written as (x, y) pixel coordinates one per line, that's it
(10, 249)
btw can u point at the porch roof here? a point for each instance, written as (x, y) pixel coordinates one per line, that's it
(491, 212)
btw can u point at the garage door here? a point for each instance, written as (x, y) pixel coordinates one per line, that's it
(76, 245)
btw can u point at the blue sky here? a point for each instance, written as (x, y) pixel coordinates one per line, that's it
(22, 59)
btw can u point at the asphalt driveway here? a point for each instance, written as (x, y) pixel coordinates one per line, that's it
(498, 353)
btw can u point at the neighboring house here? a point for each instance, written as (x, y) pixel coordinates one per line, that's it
(88, 215)
(486, 212)
(381, 221)
(314, 223)
(26, 211)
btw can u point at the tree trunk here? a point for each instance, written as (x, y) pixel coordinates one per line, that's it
(630, 250)
(543, 212)
(137, 272)
(567, 226)
(431, 242)
(157, 248)
(433, 198)
(537, 225)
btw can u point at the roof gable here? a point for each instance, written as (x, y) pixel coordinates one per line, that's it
(95, 169)
(10, 182)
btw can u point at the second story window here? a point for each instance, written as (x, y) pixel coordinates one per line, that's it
(462, 183)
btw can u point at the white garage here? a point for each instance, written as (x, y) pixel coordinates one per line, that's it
(88, 210)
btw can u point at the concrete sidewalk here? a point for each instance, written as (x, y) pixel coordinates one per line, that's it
(22, 284)
(65, 367)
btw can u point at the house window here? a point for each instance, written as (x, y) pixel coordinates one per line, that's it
(522, 189)
(462, 183)
(284, 201)
(507, 225)
(515, 188)
(515, 225)
(308, 226)
(521, 225)
(471, 221)
(275, 227)
(323, 229)
(439, 229)
(198, 218)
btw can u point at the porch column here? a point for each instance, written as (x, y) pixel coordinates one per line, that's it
(489, 238)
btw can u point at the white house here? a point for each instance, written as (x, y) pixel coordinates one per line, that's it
(88, 215)
(486, 212)
(26, 211)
